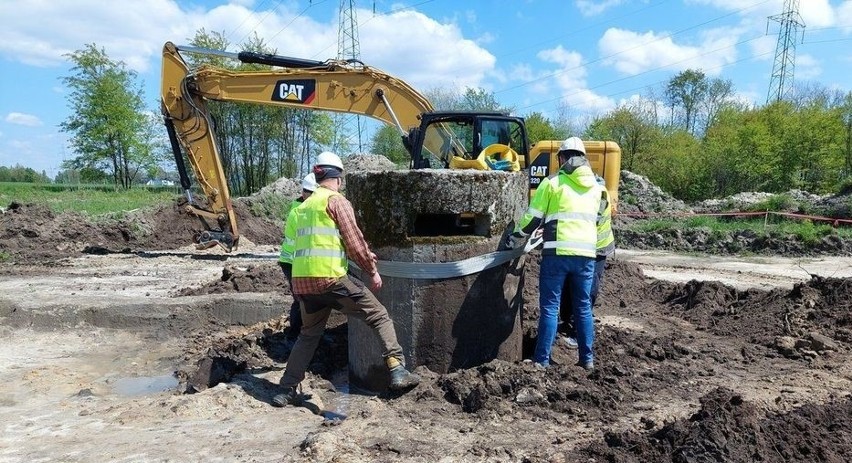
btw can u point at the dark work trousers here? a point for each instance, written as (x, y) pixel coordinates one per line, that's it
(295, 312)
(349, 296)
(566, 314)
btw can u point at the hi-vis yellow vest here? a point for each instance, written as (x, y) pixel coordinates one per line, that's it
(289, 242)
(569, 213)
(319, 250)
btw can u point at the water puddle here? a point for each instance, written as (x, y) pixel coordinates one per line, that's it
(142, 385)
(337, 408)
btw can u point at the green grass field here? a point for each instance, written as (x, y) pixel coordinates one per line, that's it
(93, 200)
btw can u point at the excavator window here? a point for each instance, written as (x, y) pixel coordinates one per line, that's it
(452, 138)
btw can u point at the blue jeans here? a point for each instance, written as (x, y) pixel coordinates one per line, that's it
(578, 272)
(566, 309)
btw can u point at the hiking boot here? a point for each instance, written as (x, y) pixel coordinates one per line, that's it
(287, 397)
(400, 378)
(588, 366)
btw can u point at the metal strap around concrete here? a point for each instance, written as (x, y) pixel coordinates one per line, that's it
(443, 270)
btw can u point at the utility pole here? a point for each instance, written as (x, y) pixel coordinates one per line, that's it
(348, 47)
(785, 50)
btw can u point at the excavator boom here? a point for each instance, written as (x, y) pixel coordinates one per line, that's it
(337, 86)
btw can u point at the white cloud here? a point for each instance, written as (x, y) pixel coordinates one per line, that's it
(764, 47)
(414, 47)
(23, 119)
(807, 67)
(570, 80)
(21, 146)
(40, 33)
(844, 16)
(592, 7)
(633, 53)
(405, 43)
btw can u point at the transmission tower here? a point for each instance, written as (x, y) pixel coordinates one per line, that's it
(785, 50)
(348, 47)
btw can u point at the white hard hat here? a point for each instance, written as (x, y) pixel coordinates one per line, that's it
(573, 144)
(329, 159)
(309, 182)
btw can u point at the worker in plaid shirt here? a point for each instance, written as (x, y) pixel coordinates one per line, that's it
(326, 234)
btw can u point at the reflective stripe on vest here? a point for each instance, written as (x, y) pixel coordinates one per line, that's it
(319, 253)
(318, 231)
(572, 214)
(319, 248)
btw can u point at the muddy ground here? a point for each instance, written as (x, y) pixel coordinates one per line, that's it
(165, 353)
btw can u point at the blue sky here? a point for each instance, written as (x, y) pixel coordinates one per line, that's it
(584, 57)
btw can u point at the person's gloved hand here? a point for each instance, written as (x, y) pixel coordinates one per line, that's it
(515, 240)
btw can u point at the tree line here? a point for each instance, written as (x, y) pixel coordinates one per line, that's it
(693, 137)
(697, 140)
(19, 173)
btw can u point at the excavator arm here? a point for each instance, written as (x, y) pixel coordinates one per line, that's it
(337, 86)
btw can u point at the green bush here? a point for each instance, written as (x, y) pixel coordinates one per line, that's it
(777, 203)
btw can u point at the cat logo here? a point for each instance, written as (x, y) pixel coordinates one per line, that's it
(538, 171)
(300, 91)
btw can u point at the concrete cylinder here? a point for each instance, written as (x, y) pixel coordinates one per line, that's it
(440, 216)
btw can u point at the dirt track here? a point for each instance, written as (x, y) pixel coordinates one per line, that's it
(88, 345)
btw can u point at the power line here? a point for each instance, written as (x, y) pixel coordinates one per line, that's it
(252, 11)
(827, 41)
(301, 13)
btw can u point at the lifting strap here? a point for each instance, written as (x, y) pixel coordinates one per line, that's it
(444, 270)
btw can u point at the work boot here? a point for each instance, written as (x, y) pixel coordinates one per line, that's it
(400, 378)
(285, 398)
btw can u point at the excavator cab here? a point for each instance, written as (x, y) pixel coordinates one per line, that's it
(462, 139)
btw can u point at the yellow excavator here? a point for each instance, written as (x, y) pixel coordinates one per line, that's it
(435, 139)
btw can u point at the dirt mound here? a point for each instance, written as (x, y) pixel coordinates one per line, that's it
(838, 206)
(620, 385)
(33, 233)
(812, 320)
(728, 428)
(368, 162)
(258, 278)
(637, 194)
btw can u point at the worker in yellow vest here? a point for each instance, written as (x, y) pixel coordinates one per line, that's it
(605, 247)
(566, 205)
(285, 257)
(326, 234)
